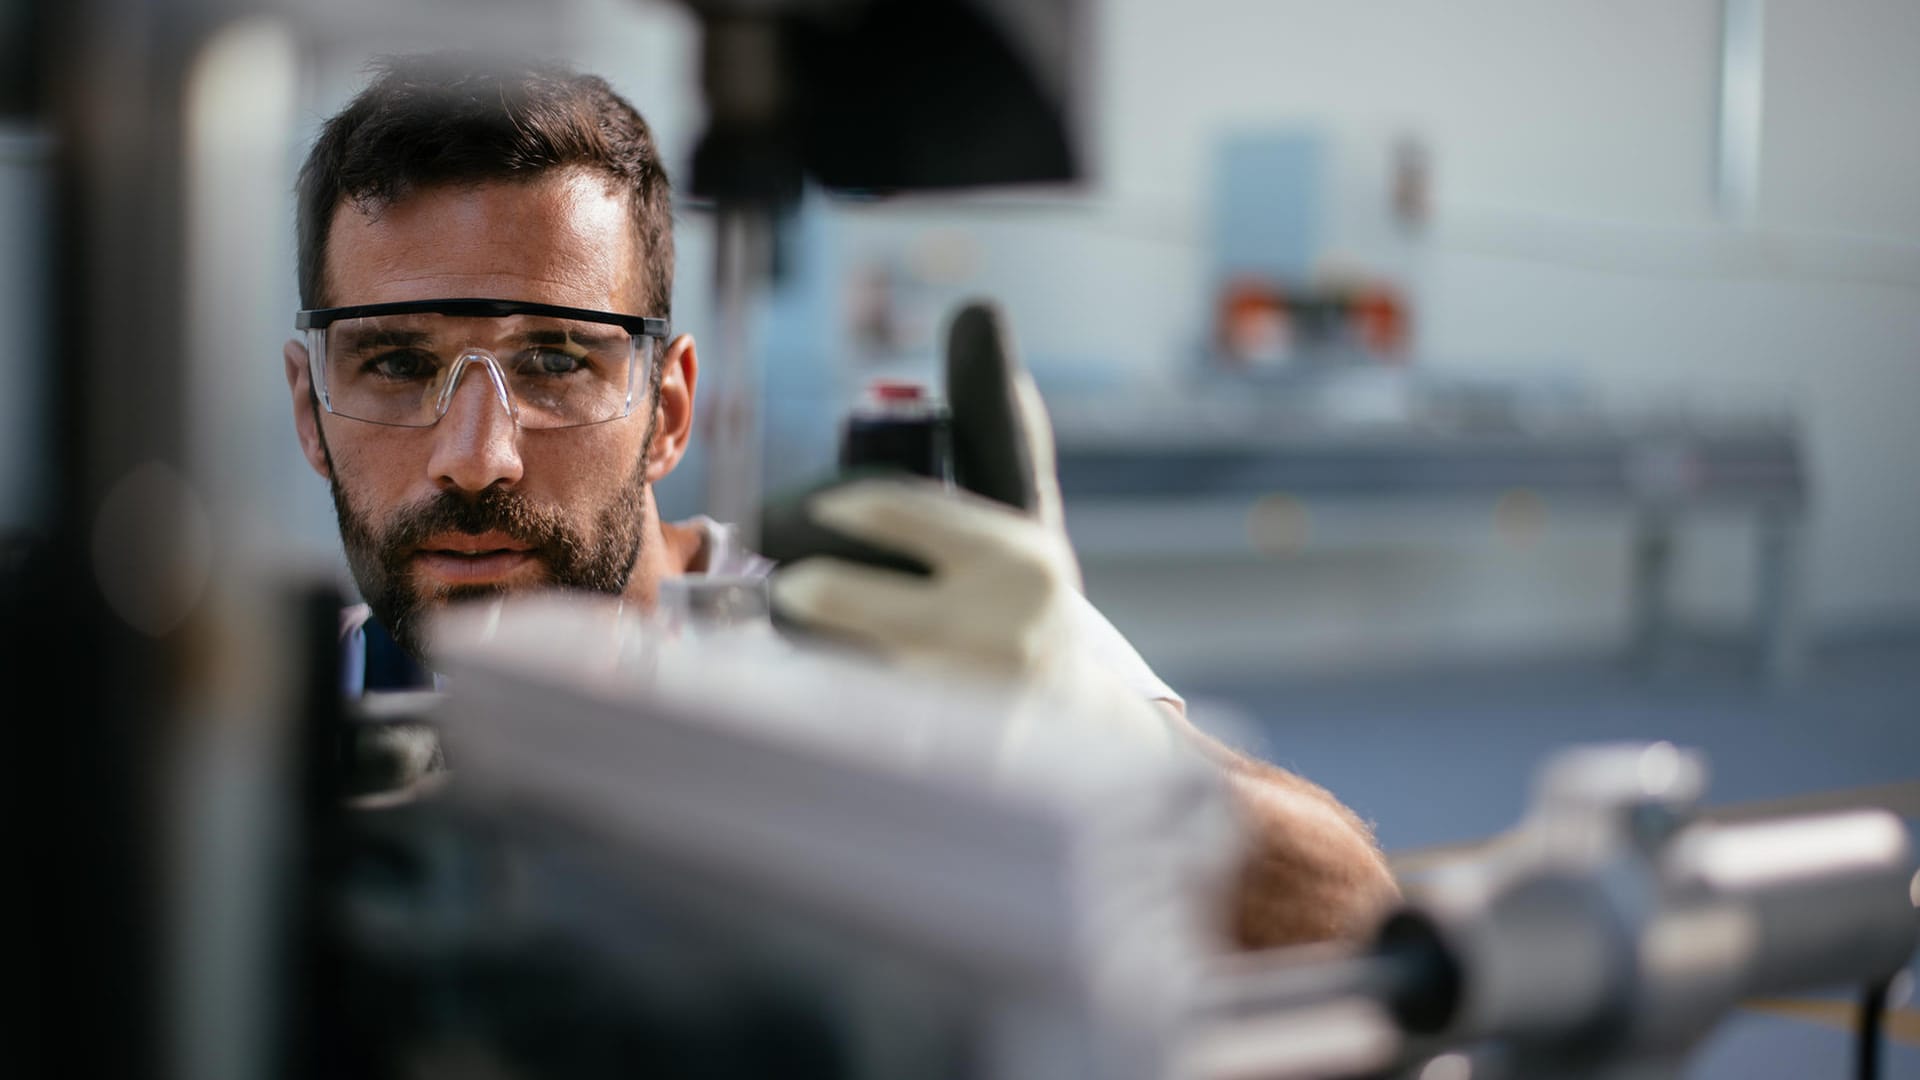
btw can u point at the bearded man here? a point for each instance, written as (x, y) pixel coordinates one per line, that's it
(489, 383)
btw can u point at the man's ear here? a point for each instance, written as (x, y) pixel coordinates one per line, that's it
(673, 407)
(306, 409)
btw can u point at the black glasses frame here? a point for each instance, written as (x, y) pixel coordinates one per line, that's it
(470, 307)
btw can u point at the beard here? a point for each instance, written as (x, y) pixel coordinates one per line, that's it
(599, 559)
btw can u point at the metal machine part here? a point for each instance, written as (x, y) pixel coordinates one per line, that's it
(887, 95)
(1610, 934)
(1605, 937)
(899, 426)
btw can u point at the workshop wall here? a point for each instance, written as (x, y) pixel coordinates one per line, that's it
(1574, 231)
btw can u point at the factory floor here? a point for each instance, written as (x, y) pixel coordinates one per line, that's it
(1440, 757)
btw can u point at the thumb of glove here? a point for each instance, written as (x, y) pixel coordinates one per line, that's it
(1002, 438)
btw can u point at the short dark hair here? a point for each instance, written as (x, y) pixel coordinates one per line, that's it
(435, 119)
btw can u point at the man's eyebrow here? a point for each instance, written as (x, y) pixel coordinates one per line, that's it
(375, 337)
(589, 335)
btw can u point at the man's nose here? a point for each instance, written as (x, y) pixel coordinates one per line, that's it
(476, 444)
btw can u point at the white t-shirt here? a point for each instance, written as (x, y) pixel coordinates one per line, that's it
(726, 556)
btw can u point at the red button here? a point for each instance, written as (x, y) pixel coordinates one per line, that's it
(894, 390)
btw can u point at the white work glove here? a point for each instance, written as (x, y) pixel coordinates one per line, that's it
(995, 603)
(1002, 601)
(1001, 604)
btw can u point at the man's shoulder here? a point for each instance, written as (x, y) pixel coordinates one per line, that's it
(722, 551)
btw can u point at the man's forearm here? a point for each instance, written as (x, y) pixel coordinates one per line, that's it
(1312, 871)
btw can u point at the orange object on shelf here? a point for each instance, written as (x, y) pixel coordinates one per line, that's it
(1262, 322)
(1381, 318)
(1254, 324)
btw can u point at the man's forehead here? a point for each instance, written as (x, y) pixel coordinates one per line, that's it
(565, 236)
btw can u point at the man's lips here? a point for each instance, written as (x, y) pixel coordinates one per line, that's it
(465, 559)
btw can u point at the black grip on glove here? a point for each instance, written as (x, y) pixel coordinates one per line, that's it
(789, 533)
(992, 449)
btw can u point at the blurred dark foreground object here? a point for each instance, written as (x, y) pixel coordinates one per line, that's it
(716, 858)
(878, 96)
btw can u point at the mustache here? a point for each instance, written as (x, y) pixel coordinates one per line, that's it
(493, 510)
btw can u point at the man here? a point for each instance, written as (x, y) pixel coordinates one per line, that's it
(488, 384)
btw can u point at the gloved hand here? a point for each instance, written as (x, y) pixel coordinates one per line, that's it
(994, 603)
(1000, 604)
(1001, 600)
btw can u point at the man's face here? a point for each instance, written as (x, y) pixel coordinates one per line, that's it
(476, 505)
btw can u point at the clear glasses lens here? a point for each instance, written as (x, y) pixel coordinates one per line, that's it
(403, 369)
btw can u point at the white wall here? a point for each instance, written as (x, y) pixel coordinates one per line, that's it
(1575, 231)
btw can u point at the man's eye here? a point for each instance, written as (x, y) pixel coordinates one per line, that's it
(402, 365)
(551, 362)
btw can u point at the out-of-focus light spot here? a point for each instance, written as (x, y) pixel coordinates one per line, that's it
(1659, 767)
(1448, 1067)
(241, 81)
(946, 257)
(152, 548)
(1900, 990)
(1799, 850)
(1520, 516)
(1913, 890)
(1279, 524)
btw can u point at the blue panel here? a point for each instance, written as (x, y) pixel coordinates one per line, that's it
(1266, 211)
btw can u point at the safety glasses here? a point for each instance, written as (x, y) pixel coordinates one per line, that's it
(550, 366)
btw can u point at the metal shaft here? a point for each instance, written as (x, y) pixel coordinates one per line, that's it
(730, 385)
